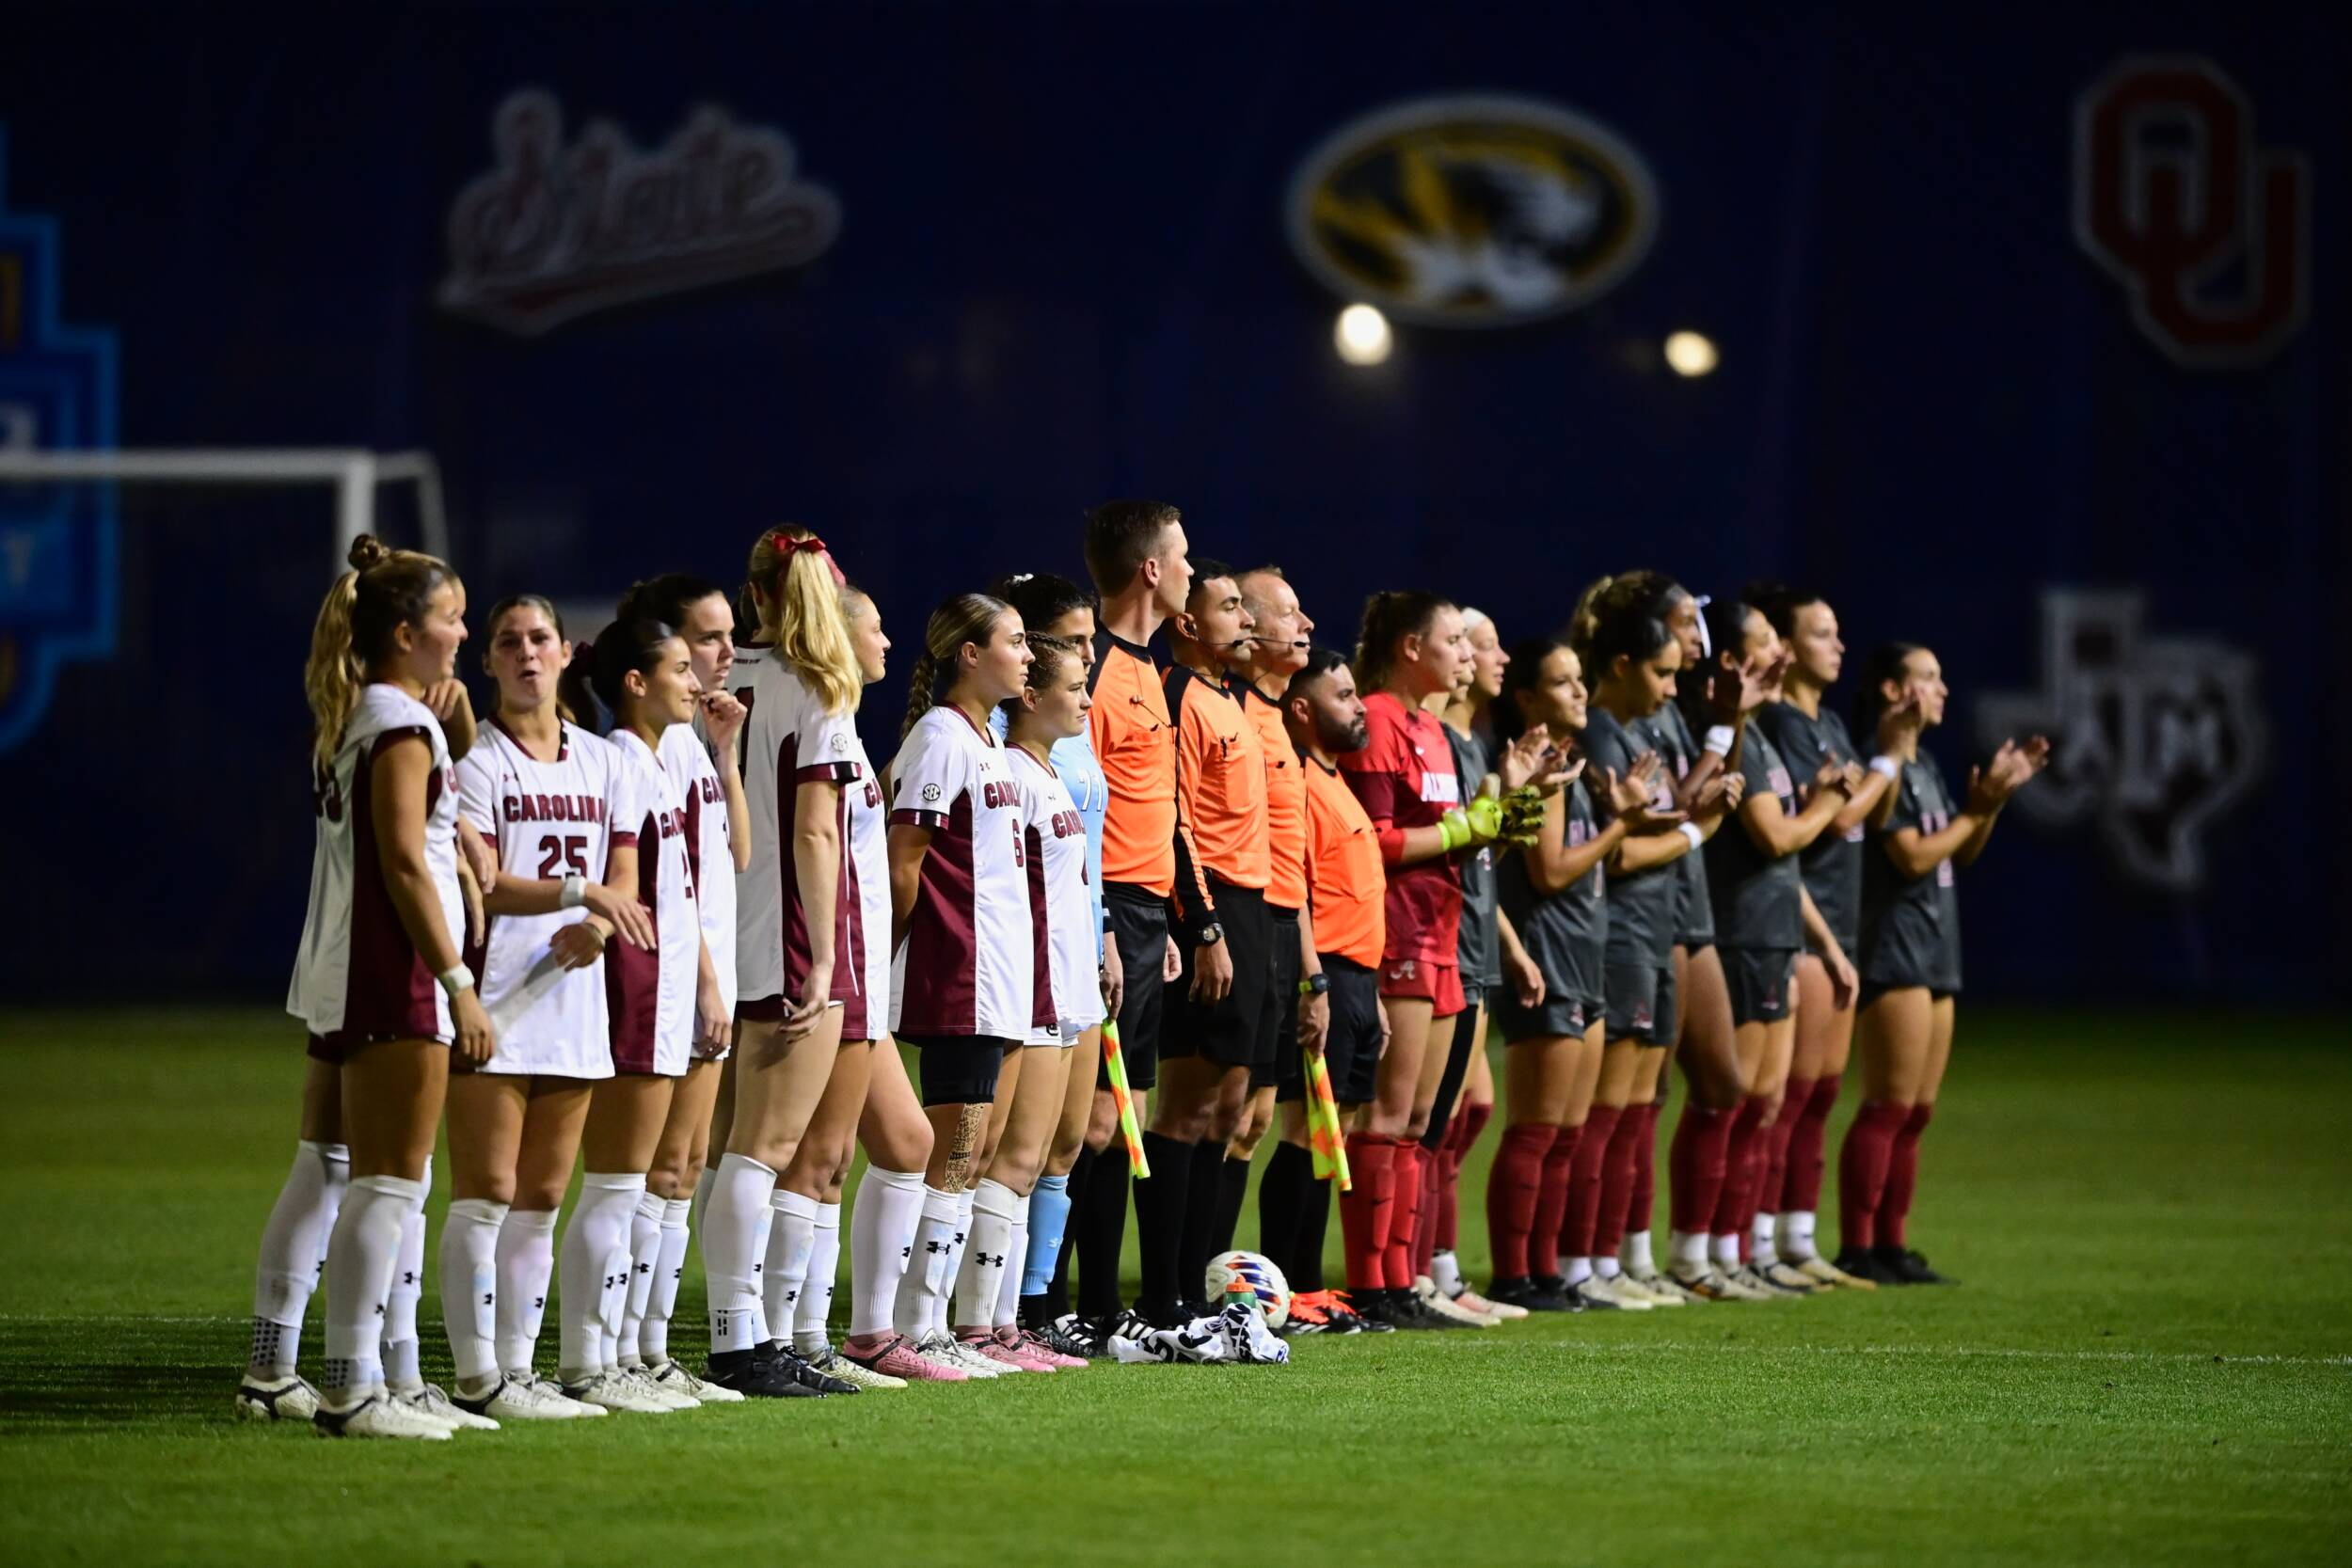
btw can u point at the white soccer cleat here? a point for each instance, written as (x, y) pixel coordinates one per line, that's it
(1716, 1284)
(524, 1399)
(380, 1415)
(672, 1377)
(1621, 1288)
(1446, 1307)
(677, 1394)
(1595, 1294)
(1788, 1278)
(549, 1387)
(615, 1393)
(1822, 1271)
(1501, 1311)
(287, 1398)
(944, 1348)
(833, 1364)
(434, 1401)
(1666, 1291)
(1644, 1289)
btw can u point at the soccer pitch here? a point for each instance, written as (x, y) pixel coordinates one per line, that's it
(2150, 1360)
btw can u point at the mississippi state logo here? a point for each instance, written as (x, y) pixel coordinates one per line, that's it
(2209, 234)
(2150, 736)
(1472, 212)
(553, 232)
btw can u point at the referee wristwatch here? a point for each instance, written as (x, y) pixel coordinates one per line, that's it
(1317, 984)
(1210, 935)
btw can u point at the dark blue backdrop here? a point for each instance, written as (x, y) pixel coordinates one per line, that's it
(1062, 274)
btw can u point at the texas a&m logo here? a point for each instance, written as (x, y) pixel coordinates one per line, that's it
(2150, 738)
(2209, 234)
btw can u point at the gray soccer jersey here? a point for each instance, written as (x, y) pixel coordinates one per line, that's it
(1668, 734)
(1911, 925)
(1755, 894)
(1832, 863)
(1566, 933)
(1479, 946)
(1643, 907)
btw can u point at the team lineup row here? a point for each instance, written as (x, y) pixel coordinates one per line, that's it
(661, 907)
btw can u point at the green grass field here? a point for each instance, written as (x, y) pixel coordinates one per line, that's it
(2151, 1360)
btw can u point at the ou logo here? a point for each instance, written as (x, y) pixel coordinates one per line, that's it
(2171, 195)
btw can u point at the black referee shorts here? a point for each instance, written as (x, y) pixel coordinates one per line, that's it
(1234, 1029)
(1139, 921)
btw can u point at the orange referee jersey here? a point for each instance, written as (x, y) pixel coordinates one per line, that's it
(1346, 882)
(1220, 787)
(1285, 802)
(1135, 744)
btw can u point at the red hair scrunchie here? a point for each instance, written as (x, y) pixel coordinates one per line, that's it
(788, 546)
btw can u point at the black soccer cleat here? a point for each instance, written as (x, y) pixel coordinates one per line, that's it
(1069, 1335)
(1905, 1267)
(806, 1372)
(757, 1374)
(1863, 1264)
(1531, 1294)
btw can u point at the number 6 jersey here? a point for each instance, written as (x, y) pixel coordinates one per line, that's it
(968, 965)
(548, 820)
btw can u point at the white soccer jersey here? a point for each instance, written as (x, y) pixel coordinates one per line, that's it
(548, 820)
(788, 740)
(356, 976)
(1070, 1000)
(865, 945)
(651, 995)
(969, 960)
(709, 848)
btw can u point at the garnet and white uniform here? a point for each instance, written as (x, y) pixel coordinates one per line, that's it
(548, 820)
(710, 848)
(864, 950)
(358, 977)
(651, 995)
(1070, 998)
(788, 740)
(967, 967)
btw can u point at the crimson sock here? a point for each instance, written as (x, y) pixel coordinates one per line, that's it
(1616, 1179)
(1592, 1152)
(1774, 1196)
(1552, 1205)
(1641, 1205)
(1367, 1208)
(1806, 1141)
(1411, 1162)
(1429, 1174)
(1512, 1189)
(1862, 1171)
(1695, 1163)
(1468, 1122)
(1739, 1174)
(1903, 1177)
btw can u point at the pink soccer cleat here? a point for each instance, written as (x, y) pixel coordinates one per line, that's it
(895, 1356)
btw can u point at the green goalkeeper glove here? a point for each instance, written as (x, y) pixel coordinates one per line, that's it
(1522, 814)
(1468, 827)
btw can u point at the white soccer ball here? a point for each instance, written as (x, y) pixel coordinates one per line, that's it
(1257, 1273)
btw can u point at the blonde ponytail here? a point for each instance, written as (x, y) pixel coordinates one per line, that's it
(798, 606)
(331, 680)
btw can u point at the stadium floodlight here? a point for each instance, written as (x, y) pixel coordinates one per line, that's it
(355, 473)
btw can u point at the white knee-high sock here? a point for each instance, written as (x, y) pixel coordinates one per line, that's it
(598, 1234)
(292, 1243)
(400, 1372)
(815, 1306)
(653, 1335)
(470, 1288)
(1008, 1293)
(526, 1261)
(360, 1256)
(981, 1278)
(931, 1270)
(735, 1238)
(791, 1238)
(645, 1257)
(882, 1224)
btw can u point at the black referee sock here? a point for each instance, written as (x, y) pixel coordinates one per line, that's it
(1314, 1219)
(1199, 1244)
(1281, 1203)
(1160, 1202)
(1232, 1187)
(1102, 1233)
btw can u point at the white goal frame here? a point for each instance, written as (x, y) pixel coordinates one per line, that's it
(355, 472)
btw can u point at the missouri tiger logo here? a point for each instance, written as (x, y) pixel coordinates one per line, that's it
(1472, 212)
